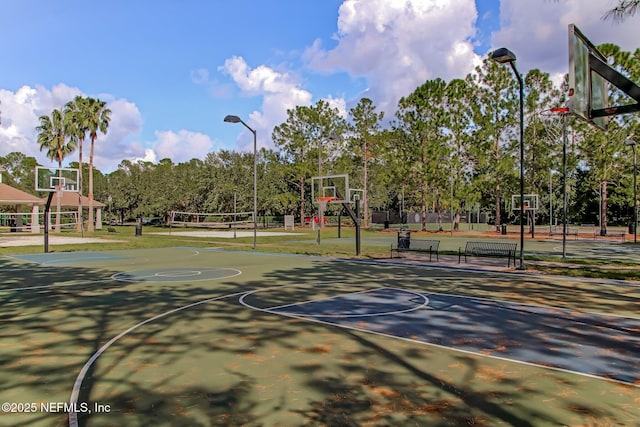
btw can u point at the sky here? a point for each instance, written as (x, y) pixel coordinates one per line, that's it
(171, 70)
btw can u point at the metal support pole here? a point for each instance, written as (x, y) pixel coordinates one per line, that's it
(635, 197)
(521, 86)
(564, 186)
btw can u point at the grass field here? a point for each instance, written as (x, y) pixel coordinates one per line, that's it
(181, 330)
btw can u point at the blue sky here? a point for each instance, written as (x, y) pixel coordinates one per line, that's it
(171, 70)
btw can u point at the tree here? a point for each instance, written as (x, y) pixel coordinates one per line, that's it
(52, 136)
(301, 140)
(624, 9)
(495, 115)
(98, 117)
(20, 169)
(423, 123)
(78, 127)
(365, 129)
(459, 104)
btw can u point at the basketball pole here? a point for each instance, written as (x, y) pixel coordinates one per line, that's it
(47, 209)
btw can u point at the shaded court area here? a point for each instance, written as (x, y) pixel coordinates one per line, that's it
(197, 336)
(586, 343)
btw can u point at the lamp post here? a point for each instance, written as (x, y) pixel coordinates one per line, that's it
(236, 119)
(632, 144)
(504, 56)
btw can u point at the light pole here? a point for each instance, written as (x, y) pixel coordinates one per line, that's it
(236, 119)
(504, 56)
(632, 144)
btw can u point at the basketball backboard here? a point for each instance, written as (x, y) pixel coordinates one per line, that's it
(356, 194)
(330, 188)
(588, 90)
(53, 179)
(590, 79)
(531, 202)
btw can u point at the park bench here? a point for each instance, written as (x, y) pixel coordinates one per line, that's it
(489, 249)
(416, 245)
(111, 229)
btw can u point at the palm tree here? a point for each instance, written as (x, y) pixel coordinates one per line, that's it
(52, 134)
(76, 109)
(97, 120)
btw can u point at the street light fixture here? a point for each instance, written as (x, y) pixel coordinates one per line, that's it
(632, 144)
(236, 119)
(504, 56)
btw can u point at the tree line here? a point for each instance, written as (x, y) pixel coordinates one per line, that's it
(451, 147)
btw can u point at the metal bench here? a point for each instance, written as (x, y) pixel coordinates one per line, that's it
(417, 245)
(111, 229)
(489, 249)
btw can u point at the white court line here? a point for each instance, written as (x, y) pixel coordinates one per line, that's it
(474, 353)
(278, 307)
(75, 392)
(73, 417)
(158, 273)
(343, 316)
(549, 307)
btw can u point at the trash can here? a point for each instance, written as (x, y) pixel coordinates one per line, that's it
(504, 229)
(386, 225)
(632, 228)
(139, 229)
(404, 239)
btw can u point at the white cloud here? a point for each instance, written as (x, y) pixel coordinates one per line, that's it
(20, 117)
(398, 44)
(280, 92)
(537, 31)
(182, 146)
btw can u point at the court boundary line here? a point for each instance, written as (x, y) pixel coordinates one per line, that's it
(531, 277)
(553, 368)
(349, 316)
(73, 422)
(75, 391)
(528, 304)
(142, 278)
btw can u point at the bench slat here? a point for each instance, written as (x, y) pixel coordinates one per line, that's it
(489, 249)
(418, 245)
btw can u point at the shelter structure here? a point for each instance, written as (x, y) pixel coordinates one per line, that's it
(10, 196)
(21, 221)
(73, 200)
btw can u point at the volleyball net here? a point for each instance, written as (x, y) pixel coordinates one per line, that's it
(211, 219)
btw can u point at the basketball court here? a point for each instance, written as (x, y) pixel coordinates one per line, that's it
(204, 336)
(190, 335)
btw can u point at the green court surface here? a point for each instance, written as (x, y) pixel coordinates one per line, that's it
(186, 336)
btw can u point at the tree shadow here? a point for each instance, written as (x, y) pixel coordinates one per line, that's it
(221, 363)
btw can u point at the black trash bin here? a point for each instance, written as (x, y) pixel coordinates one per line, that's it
(386, 225)
(404, 239)
(504, 229)
(139, 229)
(632, 228)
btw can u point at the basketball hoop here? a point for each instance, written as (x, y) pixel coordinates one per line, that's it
(559, 110)
(325, 199)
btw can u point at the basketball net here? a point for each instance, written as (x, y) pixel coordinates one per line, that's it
(552, 119)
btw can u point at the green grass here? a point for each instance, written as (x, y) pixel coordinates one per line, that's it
(541, 256)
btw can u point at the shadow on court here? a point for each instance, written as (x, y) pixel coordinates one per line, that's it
(221, 363)
(586, 343)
